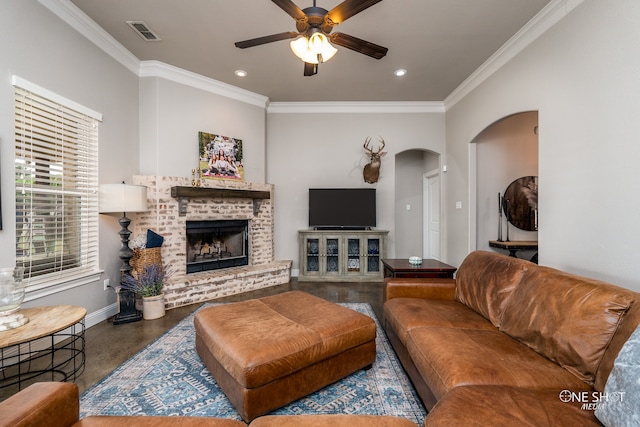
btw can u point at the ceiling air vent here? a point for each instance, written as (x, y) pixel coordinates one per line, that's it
(143, 31)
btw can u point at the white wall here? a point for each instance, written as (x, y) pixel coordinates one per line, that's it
(172, 114)
(37, 46)
(582, 78)
(313, 149)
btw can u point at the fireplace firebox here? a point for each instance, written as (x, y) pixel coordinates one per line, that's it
(212, 245)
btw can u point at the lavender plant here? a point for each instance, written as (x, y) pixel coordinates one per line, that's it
(129, 283)
(151, 280)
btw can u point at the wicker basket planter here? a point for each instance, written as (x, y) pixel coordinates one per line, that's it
(145, 256)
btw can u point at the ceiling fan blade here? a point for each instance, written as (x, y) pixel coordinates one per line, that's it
(310, 69)
(266, 39)
(362, 46)
(347, 9)
(288, 6)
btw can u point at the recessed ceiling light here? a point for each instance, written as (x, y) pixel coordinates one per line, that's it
(401, 72)
(240, 73)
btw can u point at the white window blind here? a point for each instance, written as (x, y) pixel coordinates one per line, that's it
(56, 164)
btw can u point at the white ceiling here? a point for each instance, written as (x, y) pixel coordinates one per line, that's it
(439, 42)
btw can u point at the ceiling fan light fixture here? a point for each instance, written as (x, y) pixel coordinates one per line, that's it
(313, 50)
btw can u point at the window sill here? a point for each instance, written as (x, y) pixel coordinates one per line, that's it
(44, 288)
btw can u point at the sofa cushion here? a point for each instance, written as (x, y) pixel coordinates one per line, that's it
(451, 357)
(567, 318)
(405, 314)
(50, 404)
(623, 387)
(500, 406)
(485, 281)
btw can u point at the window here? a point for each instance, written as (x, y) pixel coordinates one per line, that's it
(56, 164)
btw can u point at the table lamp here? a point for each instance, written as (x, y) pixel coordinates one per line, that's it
(116, 198)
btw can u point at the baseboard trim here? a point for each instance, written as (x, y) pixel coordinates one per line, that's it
(101, 315)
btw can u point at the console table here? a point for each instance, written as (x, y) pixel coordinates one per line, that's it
(514, 246)
(51, 347)
(429, 268)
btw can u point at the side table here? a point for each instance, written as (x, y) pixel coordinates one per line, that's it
(514, 246)
(51, 347)
(429, 268)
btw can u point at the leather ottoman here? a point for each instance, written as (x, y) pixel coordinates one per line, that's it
(265, 353)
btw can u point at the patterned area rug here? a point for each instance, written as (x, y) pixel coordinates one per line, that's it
(168, 378)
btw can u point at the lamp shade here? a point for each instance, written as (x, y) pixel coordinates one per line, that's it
(122, 198)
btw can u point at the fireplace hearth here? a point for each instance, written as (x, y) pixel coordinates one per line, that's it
(213, 245)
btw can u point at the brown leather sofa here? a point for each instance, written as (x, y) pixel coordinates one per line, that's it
(53, 404)
(499, 343)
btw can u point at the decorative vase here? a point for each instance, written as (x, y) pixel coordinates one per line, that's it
(11, 296)
(153, 307)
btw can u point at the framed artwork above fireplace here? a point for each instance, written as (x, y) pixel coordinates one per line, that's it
(220, 157)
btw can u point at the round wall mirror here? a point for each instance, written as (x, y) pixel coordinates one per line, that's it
(520, 203)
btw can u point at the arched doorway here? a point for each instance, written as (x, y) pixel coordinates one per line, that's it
(417, 209)
(504, 151)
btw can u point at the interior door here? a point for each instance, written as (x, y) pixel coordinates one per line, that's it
(431, 209)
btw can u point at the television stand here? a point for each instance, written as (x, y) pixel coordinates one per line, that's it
(340, 228)
(341, 255)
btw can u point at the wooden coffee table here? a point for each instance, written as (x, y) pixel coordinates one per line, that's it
(429, 268)
(50, 347)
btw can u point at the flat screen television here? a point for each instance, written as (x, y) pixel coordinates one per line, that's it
(342, 208)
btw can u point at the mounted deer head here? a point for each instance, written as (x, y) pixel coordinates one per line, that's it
(372, 169)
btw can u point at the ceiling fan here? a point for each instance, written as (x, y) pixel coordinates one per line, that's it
(314, 25)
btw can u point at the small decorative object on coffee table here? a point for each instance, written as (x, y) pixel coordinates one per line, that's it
(415, 260)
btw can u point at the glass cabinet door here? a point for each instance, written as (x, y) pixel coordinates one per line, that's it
(313, 255)
(373, 255)
(353, 255)
(332, 255)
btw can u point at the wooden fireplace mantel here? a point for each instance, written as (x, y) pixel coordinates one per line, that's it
(183, 194)
(204, 192)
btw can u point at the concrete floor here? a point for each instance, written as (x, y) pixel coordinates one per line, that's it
(108, 345)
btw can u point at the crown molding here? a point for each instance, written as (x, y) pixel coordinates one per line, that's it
(355, 107)
(538, 25)
(80, 22)
(198, 81)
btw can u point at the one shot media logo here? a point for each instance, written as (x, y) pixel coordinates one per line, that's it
(591, 400)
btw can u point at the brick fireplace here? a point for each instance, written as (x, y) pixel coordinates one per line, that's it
(225, 201)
